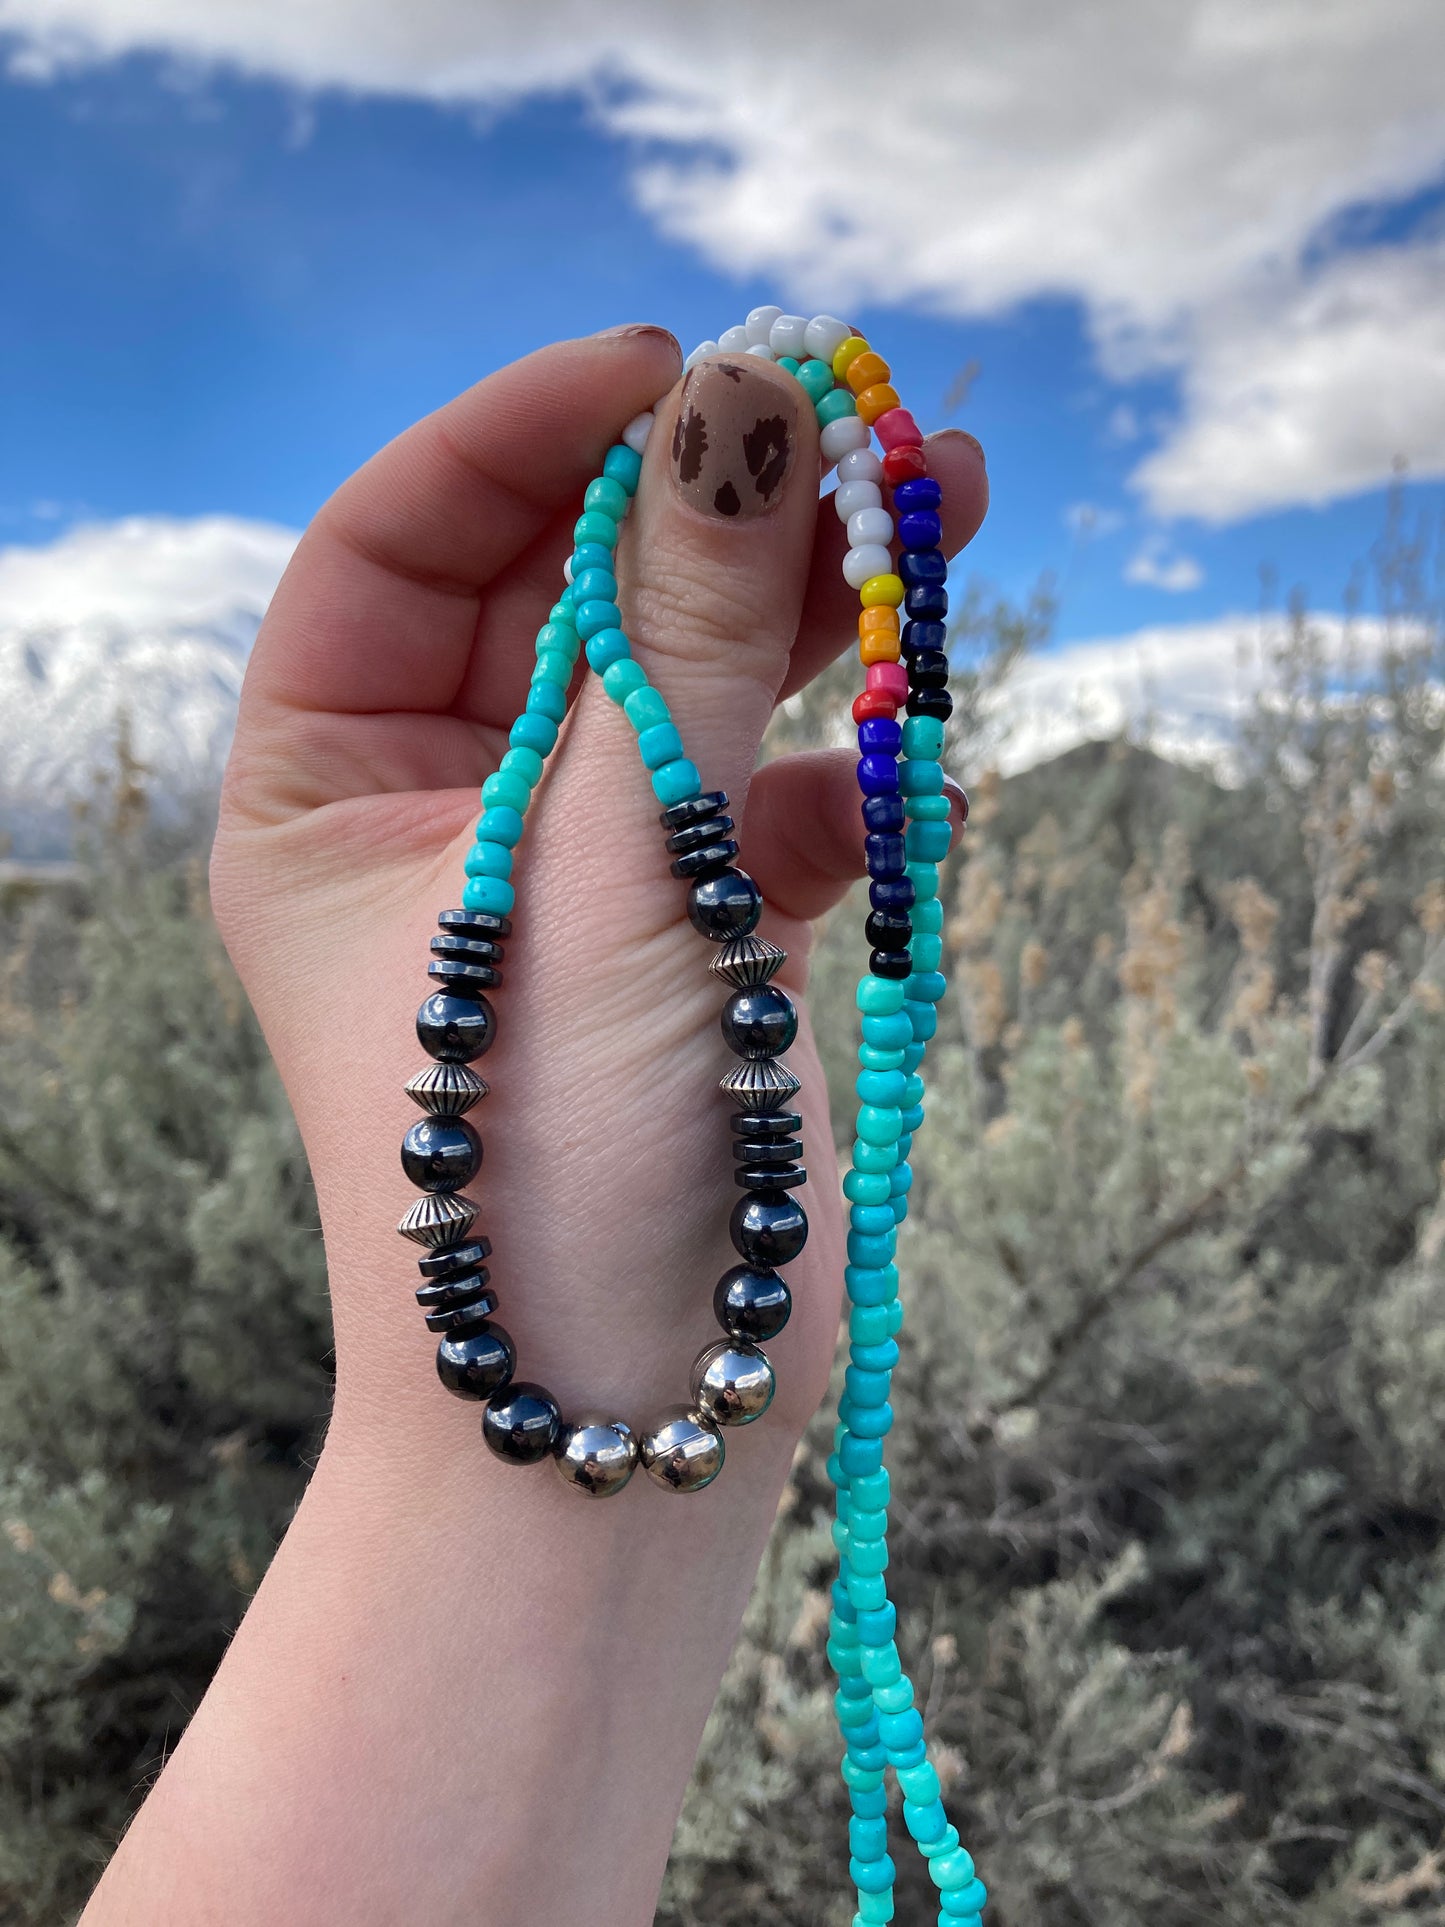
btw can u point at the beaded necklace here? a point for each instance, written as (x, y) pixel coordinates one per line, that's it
(906, 834)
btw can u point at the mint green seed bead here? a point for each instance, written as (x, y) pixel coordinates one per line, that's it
(620, 678)
(881, 1666)
(920, 776)
(523, 763)
(531, 731)
(561, 612)
(883, 1088)
(645, 707)
(929, 809)
(873, 1059)
(676, 782)
(787, 363)
(546, 699)
(492, 894)
(925, 878)
(947, 1841)
(554, 665)
(919, 1783)
(868, 1324)
(874, 1489)
(928, 841)
(952, 1870)
(607, 647)
(922, 738)
(886, 1029)
(606, 497)
(873, 1157)
(488, 860)
(875, 1908)
(927, 917)
(834, 406)
(877, 1125)
(895, 1697)
(879, 996)
(503, 790)
(660, 744)
(595, 527)
(862, 1778)
(872, 1876)
(499, 824)
(816, 378)
(852, 1712)
(623, 465)
(868, 1594)
(872, 1422)
(866, 1187)
(895, 1316)
(927, 952)
(867, 1525)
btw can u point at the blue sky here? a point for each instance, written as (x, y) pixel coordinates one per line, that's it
(226, 291)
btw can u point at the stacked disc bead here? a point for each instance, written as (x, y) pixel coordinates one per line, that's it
(731, 1382)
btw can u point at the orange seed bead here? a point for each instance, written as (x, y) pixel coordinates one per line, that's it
(865, 369)
(854, 346)
(876, 645)
(878, 620)
(877, 400)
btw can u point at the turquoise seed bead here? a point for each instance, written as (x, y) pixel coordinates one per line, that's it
(873, 1059)
(546, 699)
(869, 1803)
(901, 1756)
(866, 1388)
(924, 877)
(561, 610)
(874, 1909)
(872, 1219)
(879, 996)
(882, 1357)
(929, 809)
(920, 776)
(927, 917)
(886, 1029)
(869, 1592)
(645, 707)
(928, 842)
(561, 636)
(926, 986)
(488, 860)
(913, 1119)
(873, 1422)
(867, 1756)
(620, 678)
(523, 763)
(900, 1180)
(863, 1778)
(852, 1712)
(676, 782)
(965, 1902)
(878, 1125)
(952, 1870)
(873, 1490)
(920, 1783)
(595, 527)
(878, 1249)
(947, 1841)
(492, 894)
(868, 1324)
(502, 790)
(659, 744)
(844, 1659)
(927, 952)
(500, 825)
(593, 617)
(607, 647)
(531, 731)
(589, 555)
(901, 1729)
(816, 378)
(895, 1315)
(874, 1157)
(871, 1876)
(854, 1454)
(925, 1823)
(900, 1210)
(866, 1526)
(867, 1838)
(834, 406)
(924, 1019)
(897, 1696)
(913, 1091)
(913, 1056)
(623, 465)
(787, 364)
(553, 665)
(844, 1631)
(594, 585)
(922, 738)
(606, 497)
(871, 1285)
(866, 1187)
(881, 1664)
(883, 1088)
(876, 1628)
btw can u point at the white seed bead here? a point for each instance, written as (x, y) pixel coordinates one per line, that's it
(567, 571)
(702, 348)
(824, 336)
(869, 526)
(849, 497)
(860, 465)
(861, 564)
(637, 431)
(761, 350)
(760, 323)
(849, 431)
(785, 337)
(735, 340)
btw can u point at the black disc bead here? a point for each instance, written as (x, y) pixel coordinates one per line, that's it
(460, 1319)
(441, 1153)
(475, 923)
(463, 979)
(751, 1304)
(522, 1425)
(705, 862)
(712, 829)
(476, 1364)
(726, 905)
(445, 1294)
(782, 1177)
(695, 810)
(774, 1151)
(455, 1029)
(930, 702)
(888, 930)
(452, 1260)
(767, 1228)
(768, 1124)
(759, 1021)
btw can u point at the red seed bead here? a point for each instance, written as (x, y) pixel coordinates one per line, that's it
(873, 702)
(904, 464)
(897, 429)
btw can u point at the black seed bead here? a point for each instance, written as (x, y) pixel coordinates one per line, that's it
(476, 1364)
(697, 836)
(928, 678)
(894, 894)
(890, 963)
(444, 1294)
(759, 1021)
(768, 1228)
(751, 1304)
(766, 1123)
(888, 930)
(924, 635)
(463, 979)
(926, 659)
(522, 1425)
(930, 702)
(928, 602)
(441, 1153)
(726, 905)
(463, 1318)
(455, 1030)
(883, 814)
(780, 1178)
(705, 862)
(452, 1260)
(923, 568)
(695, 810)
(767, 1151)
(475, 923)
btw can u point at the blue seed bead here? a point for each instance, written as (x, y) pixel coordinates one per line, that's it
(623, 465)
(867, 1388)
(885, 856)
(886, 1029)
(620, 678)
(606, 497)
(883, 812)
(922, 568)
(898, 893)
(877, 775)
(870, 1803)
(505, 791)
(591, 555)
(900, 1730)
(927, 603)
(924, 635)
(554, 665)
(882, 1357)
(868, 1324)
(854, 1454)
(676, 782)
(596, 585)
(925, 1823)
(867, 1839)
(595, 527)
(492, 894)
(659, 744)
(900, 1180)
(856, 1776)
(924, 1019)
(870, 1219)
(920, 1784)
(871, 1876)
(868, 1757)
(874, 1422)
(926, 986)
(919, 529)
(488, 860)
(842, 1604)
(867, 1187)
(607, 647)
(913, 1118)
(880, 1087)
(645, 707)
(523, 763)
(921, 777)
(900, 1210)
(918, 492)
(546, 699)
(500, 825)
(531, 731)
(834, 406)
(928, 841)
(880, 733)
(592, 617)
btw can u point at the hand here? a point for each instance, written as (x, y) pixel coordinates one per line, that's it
(394, 658)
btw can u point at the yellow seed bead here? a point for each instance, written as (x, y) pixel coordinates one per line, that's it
(865, 369)
(854, 346)
(881, 588)
(879, 620)
(878, 646)
(876, 400)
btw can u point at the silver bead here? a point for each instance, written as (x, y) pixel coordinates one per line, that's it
(760, 1084)
(748, 961)
(682, 1449)
(732, 1382)
(446, 1090)
(595, 1454)
(440, 1218)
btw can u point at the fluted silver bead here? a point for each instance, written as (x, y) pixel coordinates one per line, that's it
(595, 1454)
(682, 1449)
(446, 1090)
(732, 1383)
(440, 1218)
(748, 961)
(760, 1084)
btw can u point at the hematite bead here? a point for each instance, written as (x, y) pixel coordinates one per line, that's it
(441, 1153)
(761, 1021)
(476, 1364)
(595, 1454)
(682, 1450)
(766, 1150)
(522, 1423)
(750, 1303)
(758, 1177)
(888, 930)
(463, 979)
(695, 810)
(460, 1319)
(732, 1383)
(769, 1124)
(930, 702)
(704, 862)
(454, 1259)
(446, 1090)
(712, 829)
(444, 1294)
(768, 1228)
(893, 964)
(726, 905)
(455, 1029)
(467, 949)
(475, 923)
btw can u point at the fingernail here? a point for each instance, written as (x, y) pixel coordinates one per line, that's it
(735, 439)
(957, 802)
(962, 435)
(636, 330)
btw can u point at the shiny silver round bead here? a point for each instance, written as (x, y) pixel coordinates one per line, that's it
(682, 1449)
(595, 1454)
(732, 1382)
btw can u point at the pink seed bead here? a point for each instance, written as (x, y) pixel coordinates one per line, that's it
(897, 429)
(890, 677)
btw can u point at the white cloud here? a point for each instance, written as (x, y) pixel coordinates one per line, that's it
(147, 568)
(1154, 565)
(1169, 167)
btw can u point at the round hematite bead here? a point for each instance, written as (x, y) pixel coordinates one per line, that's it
(751, 1304)
(731, 1383)
(441, 1153)
(522, 1424)
(760, 1021)
(682, 1449)
(455, 1029)
(476, 1364)
(595, 1454)
(724, 906)
(767, 1228)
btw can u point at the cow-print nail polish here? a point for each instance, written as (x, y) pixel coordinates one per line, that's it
(734, 439)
